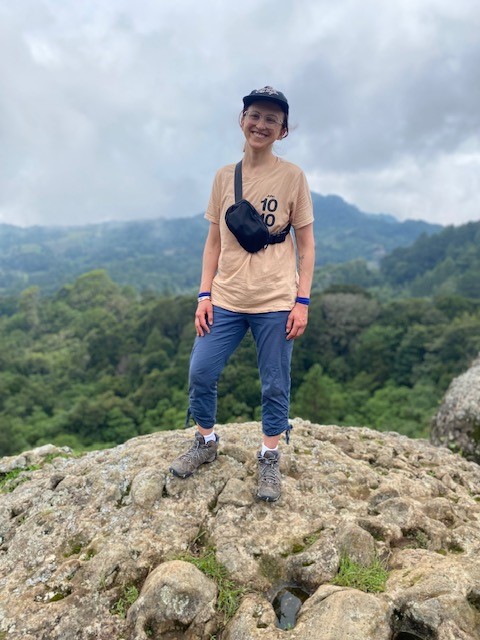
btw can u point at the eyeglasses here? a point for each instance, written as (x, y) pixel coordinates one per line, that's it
(255, 117)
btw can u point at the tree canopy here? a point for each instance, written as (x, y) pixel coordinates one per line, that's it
(97, 363)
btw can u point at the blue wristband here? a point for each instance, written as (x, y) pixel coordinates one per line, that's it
(204, 294)
(305, 301)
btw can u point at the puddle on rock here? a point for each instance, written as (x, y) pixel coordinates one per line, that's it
(287, 603)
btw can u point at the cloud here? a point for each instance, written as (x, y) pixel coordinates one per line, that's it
(447, 194)
(407, 88)
(119, 111)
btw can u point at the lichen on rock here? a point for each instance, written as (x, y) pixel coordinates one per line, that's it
(456, 424)
(78, 533)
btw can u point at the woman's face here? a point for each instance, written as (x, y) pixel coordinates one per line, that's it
(262, 124)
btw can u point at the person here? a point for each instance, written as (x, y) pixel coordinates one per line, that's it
(261, 291)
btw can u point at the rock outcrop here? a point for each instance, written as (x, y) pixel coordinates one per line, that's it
(457, 422)
(93, 547)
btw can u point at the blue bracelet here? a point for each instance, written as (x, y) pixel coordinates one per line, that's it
(305, 301)
(204, 294)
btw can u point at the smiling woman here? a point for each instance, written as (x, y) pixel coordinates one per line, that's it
(253, 286)
(264, 123)
(273, 113)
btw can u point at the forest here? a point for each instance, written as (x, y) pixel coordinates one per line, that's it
(140, 253)
(445, 263)
(96, 363)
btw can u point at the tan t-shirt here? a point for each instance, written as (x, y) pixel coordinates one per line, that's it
(266, 280)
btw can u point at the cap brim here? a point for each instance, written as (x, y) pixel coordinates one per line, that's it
(248, 100)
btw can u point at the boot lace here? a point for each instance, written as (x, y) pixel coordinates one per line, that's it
(269, 471)
(194, 453)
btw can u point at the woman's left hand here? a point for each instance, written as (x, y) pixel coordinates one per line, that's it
(297, 321)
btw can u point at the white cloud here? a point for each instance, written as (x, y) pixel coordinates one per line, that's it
(116, 110)
(449, 193)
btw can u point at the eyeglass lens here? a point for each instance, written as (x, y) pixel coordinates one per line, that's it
(254, 116)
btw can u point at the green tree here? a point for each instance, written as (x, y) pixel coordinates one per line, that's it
(319, 398)
(92, 289)
(402, 409)
(11, 438)
(374, 353)
(28, 307)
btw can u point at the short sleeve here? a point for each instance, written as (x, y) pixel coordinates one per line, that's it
(213, 210)
(302, 210)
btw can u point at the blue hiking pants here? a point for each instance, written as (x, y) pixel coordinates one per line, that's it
(211, 352)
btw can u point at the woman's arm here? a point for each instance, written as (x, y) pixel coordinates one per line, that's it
(211, 253)
(298, 318)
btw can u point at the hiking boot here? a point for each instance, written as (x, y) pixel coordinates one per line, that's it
(269, 478)
(198, 454)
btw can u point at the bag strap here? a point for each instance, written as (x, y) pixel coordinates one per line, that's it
(279, 237)
(238, 181)
(274, 238)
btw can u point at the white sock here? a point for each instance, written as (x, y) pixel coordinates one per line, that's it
(211, 436)
(265, 449)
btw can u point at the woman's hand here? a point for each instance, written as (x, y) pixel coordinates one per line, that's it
(297, 321)
(203, 317)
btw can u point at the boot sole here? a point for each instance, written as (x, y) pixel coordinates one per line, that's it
(180, 475)
(267, 498)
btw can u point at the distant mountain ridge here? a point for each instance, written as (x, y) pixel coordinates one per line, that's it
(444, 264)
(165, 254)
(344, 232)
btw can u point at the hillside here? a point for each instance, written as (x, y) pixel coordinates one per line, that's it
(110, 545)
(344, 232)
(165, 255)
(445, 263)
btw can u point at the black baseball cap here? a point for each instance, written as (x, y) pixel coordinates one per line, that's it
(269, 94)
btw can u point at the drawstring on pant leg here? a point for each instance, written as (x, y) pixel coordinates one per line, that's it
(287, 433)
(187, 419)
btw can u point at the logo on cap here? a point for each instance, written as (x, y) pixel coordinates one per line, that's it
(270, 90)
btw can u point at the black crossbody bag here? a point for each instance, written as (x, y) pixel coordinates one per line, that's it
(246, 224)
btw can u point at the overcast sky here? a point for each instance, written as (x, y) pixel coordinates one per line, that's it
(119, 110)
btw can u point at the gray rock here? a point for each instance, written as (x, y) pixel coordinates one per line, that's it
(175, 597)
(34, 457)
(254, 620)
(343, 614)
(147, 487)
(357, 543)
(79, 537)
(457, 422)
(319, 563)
(424, 586)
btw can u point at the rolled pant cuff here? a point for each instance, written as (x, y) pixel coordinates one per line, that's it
(190, 417)
(274, 431)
